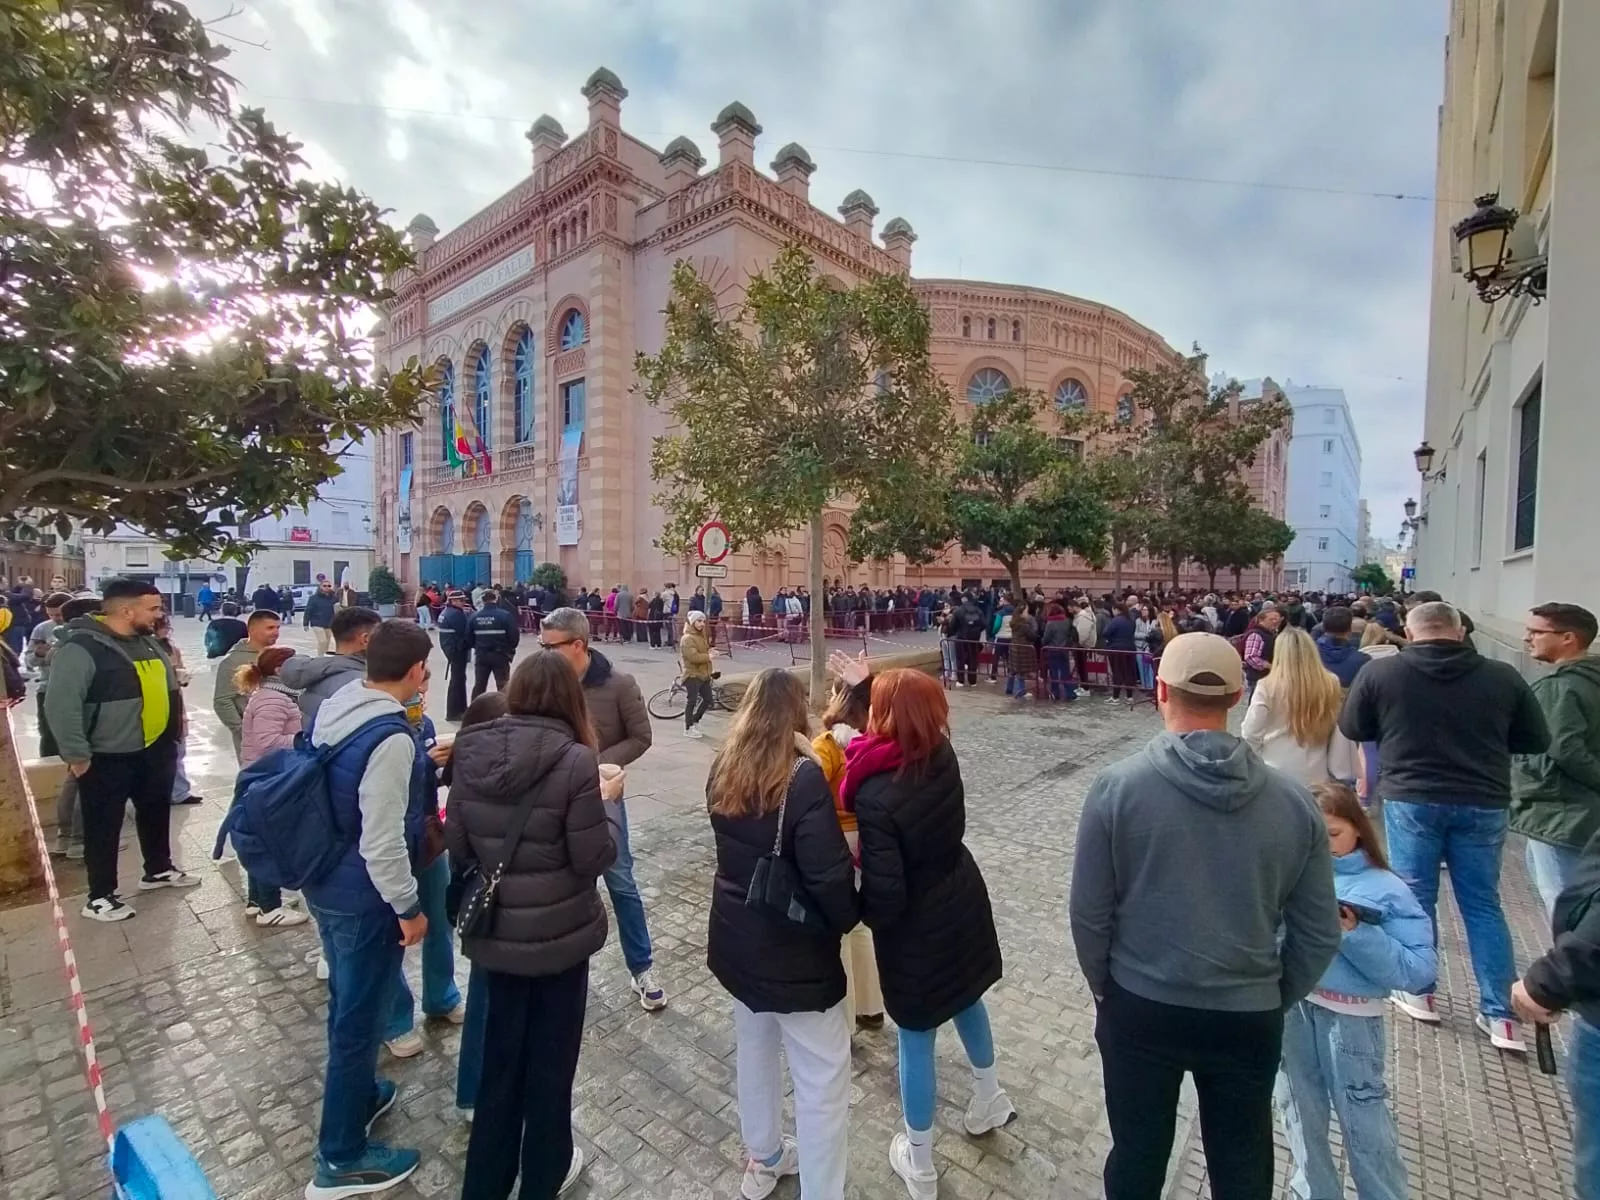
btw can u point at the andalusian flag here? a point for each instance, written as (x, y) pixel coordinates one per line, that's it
(458, 453)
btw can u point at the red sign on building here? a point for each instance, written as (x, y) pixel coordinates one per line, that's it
(299, 534)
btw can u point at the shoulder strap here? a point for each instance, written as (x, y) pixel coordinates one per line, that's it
(783, 805)
(514, 832)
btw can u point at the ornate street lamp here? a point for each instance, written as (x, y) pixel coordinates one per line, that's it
(1411, 508)
(1423, 455)
(1487, 255)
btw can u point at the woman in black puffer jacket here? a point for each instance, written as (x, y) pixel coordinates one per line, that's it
(786, 977)
(547, 920)
(925, 901)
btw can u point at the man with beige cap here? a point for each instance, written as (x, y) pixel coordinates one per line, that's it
(1192, 855)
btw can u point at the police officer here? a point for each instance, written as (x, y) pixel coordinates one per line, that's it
(494, 644)
(455, 639)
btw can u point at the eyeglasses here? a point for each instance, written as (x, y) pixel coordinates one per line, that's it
(544, 645)
(1540, 632)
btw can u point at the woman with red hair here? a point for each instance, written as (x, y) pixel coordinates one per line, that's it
(925, 901)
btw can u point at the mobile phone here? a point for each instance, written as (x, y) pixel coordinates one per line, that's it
(1362, 913)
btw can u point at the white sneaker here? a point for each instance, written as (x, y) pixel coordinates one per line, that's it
(457, 1015)
(693, 732)
(1417, 1007)
(107, 908)
(651, 996)
(920, 1185)
(281, 917)
(1502, 1033)
(573, 1171)
(407, 1045)
(322, 968)
(252, 910)
(760, 1179)
(175, 877)
(984, 1115)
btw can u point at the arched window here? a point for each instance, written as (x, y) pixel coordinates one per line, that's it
(480, 408)
(1125, 409)
(522, 393)
(966, 327)
(525, 525)
(573, 330)
(447, 535)
(1071, 396)
(481, 533)
(447, 409)
(1016, 331)
(986, 385)
(991, 329)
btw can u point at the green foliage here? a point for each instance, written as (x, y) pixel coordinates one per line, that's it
(549, 575)
(1014, 490)
(1371, 577)
(178, 326)
(383, 587)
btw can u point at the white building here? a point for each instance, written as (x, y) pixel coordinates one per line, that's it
(1507, 512)
(332, 537)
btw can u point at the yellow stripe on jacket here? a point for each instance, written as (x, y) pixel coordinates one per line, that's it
(831, 754)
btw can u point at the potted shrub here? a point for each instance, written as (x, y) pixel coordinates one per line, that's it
(550, 575)
(384, 589)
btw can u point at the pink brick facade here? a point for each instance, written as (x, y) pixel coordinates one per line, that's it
(585, 246)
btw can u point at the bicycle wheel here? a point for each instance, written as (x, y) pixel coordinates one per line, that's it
(719, 699)
(669, 704)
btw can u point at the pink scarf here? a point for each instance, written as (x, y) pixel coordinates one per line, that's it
(868, 755)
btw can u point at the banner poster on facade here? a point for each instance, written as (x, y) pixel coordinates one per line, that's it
(568, 519)
(402, 524)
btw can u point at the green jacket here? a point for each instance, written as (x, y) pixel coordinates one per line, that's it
(1556, 795)
(109, 694)
(226, 699)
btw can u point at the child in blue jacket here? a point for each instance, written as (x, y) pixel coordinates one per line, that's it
(1333, 1040)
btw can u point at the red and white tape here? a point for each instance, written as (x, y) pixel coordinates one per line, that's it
(69, 960)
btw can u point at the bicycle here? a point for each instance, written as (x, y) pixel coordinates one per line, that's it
(669, 704)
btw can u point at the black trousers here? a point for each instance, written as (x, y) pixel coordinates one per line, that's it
(523, 1117)
(483, 667)
(966, 661)
(1124, 674)
(655, 634)
(104, 791)
(699, 700)
(1145, 1050)
(455, 696)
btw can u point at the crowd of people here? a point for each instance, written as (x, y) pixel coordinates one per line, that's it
(843, 891)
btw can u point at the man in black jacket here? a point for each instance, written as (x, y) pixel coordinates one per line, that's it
(1568, 977)
(494, 644)
(1449, 721)
(455, 639)
(966, 627)
(320, 607)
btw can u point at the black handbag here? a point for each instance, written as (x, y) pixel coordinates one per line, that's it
(775, 887)
(473, 902)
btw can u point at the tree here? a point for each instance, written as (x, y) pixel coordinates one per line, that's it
(179, 345)
(552, 578)
(1014, 490)
(1371, 577)
(383, 587)
(179, 327)
(808, 394)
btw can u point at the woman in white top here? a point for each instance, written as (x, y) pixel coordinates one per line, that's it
(1292, 721)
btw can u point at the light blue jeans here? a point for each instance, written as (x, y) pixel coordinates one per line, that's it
(439, 992)
(1333, 1059)
(1469, 840)
(917, 1084)
(1550, 868)
(632, 931)
(1583, 1079)
(181, 787)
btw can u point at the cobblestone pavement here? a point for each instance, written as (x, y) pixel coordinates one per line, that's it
(219, 1026)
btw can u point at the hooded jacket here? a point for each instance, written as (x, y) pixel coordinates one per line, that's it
(547, 916)
(616, 706)
(1159, 832)
(318, 677)
(694, 652)
(110, 694)
(1448, 721)
(1556, 795)
(1342, 657)
(271, 720)
(1395, 955)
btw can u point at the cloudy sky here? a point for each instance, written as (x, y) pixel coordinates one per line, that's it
(1119, 150)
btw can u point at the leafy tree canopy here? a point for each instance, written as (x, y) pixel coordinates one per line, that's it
(179, 325)
(1371, 577)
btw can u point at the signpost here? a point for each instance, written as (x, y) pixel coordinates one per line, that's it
(707, 570)
(712, 542)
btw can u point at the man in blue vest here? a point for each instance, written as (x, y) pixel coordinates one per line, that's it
(376, 781)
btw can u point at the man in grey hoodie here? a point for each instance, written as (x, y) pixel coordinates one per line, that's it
(227, 701)
(1202, 907)
(317, 678)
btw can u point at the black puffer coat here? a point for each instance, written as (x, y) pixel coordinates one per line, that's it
(548, 916)
(765, 963)
(923, 895)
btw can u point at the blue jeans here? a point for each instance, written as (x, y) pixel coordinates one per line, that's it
(1550, 868)
(266, 898)
(1016, 684)
(632, 931)
(1333, 1057)
(1058, 667)
(1147, 672)
(364, 955)
(1002, 658)
(439, 991)
(1583, 1079)
(916, 1061)
(181, 787)
(469, 1066)
(1469, 840)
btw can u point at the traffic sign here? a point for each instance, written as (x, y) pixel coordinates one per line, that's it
(1408, 572)
(712, 542)
(711, 570)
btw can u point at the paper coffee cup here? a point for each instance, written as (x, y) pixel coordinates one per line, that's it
(609, 770)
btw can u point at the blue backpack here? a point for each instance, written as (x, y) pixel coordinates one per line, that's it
(282, 819)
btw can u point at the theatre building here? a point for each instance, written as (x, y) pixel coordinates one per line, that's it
(539, 450)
